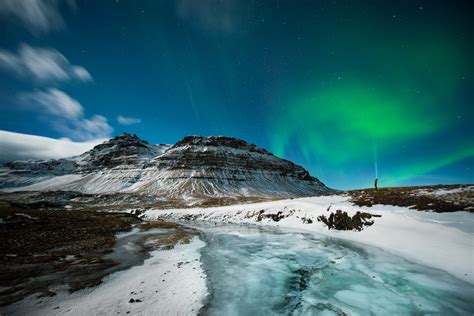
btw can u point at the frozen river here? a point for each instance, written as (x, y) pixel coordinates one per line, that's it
(262, 271)
(250, 270)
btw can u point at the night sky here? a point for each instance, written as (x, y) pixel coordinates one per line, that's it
(336, 86)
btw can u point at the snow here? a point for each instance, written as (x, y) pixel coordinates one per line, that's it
(26, 215)
(442, 192)
(50, 184)
(165, 182)
(439, 241)
(159, 284)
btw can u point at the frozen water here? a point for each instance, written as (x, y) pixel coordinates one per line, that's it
(252, 270)
(262, 271)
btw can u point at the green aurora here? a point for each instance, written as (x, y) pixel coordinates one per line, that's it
(401, 103)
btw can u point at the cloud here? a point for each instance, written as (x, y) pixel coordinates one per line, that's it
(16, 146)
(54, 102)
(38, 16)
(123, 120)
(216, 15)
(84, 128)
(65, 114)
(42, 65)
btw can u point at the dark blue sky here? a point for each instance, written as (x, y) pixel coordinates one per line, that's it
(331, 85)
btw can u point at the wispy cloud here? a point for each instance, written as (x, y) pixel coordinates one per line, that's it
(65, 114)
(42, 65)
(84, 128)
(38, 16)
(16, 146)
(53, 102)
(123, 120)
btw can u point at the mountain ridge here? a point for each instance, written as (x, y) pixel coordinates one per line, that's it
(196, 167)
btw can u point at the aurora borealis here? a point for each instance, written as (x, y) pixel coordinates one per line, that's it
(331, 85)
(401, 90)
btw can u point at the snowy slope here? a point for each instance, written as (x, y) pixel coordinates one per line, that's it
(107, 167)
(195, 167)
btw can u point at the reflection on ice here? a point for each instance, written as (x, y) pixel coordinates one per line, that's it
(257, 271)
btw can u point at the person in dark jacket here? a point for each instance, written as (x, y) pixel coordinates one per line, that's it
(376, 182)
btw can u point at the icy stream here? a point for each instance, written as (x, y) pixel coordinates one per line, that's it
(264, 271)
(255, 270)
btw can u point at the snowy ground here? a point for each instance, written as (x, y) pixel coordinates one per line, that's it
(464, 194)
(442, 192)
(253, 270)
(443, 241)
(170, 282)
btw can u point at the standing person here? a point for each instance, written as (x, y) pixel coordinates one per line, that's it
(376, 183)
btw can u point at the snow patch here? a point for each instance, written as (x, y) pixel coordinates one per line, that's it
(158, 287)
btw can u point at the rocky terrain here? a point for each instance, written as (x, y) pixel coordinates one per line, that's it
(194, 170)
(39, 243)
(437, 198)
(43, 250)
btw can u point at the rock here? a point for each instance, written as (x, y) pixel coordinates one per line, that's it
(306, 220)
(275, 217)
(341, 221)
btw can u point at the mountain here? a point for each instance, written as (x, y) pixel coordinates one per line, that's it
(194, 168)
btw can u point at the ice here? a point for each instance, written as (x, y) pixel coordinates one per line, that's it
(265, 271)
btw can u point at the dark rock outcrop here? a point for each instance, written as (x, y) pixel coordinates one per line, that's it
(341, 221)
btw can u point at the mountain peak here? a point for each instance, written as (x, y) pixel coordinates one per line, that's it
(128, 137)
(121, 141)
(220, 141)
(123, 149)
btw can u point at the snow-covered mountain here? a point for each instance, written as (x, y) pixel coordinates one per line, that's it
(195, 167)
